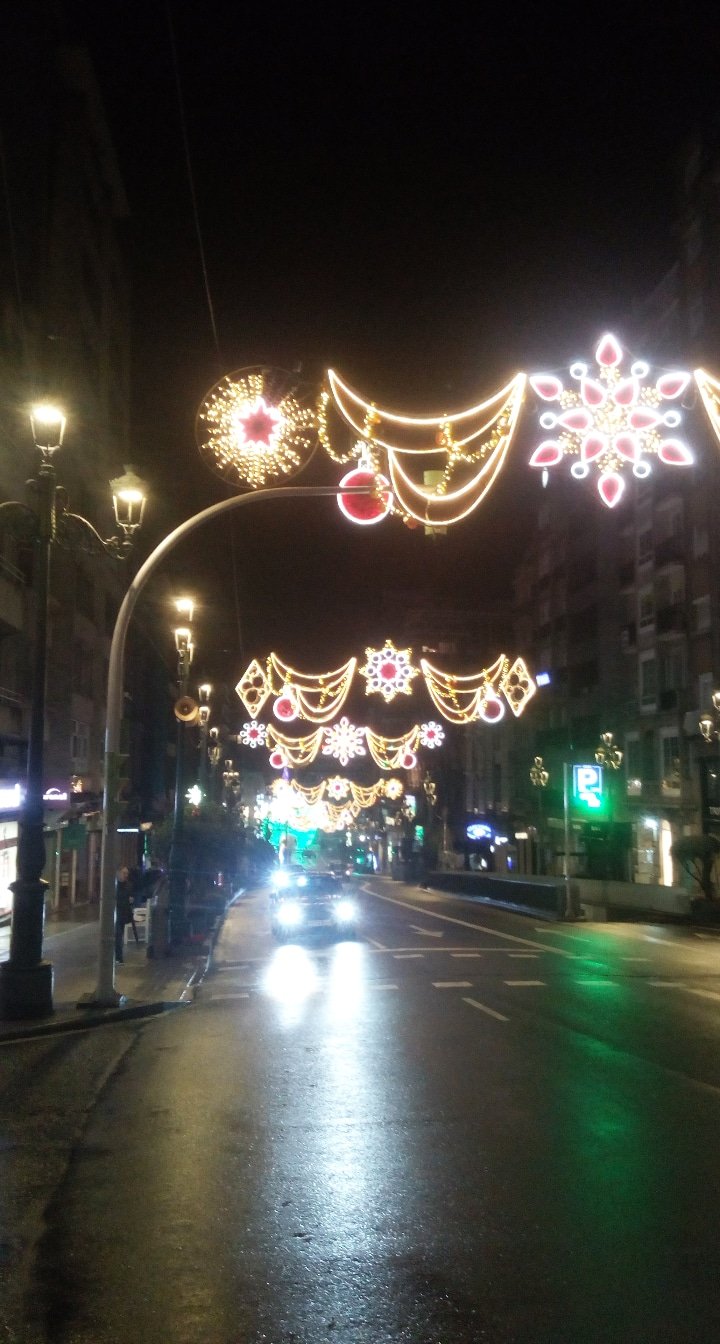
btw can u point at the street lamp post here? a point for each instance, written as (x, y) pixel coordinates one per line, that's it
(105, 995)
(26, 979)
(177, 866)
(215, 757)
(709, 725)
(539, 777)
(204, 693)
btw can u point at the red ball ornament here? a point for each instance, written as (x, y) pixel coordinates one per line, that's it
(285, 707)
(492, 709)
(409, 760)
(277, 760)
(366, 509)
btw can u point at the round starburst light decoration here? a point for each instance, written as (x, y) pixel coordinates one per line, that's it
(255, 425)
(388, 671)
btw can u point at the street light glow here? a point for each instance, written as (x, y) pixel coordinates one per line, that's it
(48, 426)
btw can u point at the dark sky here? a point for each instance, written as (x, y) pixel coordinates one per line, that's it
(427, 201)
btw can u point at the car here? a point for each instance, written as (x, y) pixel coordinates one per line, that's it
(313, 902)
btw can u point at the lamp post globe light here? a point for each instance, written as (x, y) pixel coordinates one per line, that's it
(26, 979)
(186, 712)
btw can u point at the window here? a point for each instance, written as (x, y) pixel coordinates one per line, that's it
(645, 544)
(80, 746)
(702, 614)
(672, 669)
(670, 762)
(633, 763)
(648, 680)
(646, 608)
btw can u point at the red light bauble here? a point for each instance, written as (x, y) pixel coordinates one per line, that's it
(366, 509)
(277, 760)
(285, 707)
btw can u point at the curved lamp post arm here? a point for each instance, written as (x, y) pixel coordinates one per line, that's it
(105, 995)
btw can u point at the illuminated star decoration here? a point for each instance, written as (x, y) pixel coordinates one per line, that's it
(388, 671)
(253, 734)
(344, 741)
(337, 788)
(613, 420)
(251, 427)
(432, 734)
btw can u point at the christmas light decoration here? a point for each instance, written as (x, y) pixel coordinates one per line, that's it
(462, 699)
(469, 446)
(252, 734)
(365, 509)
(394, 753)
(295, 751)
(388, 671)
(255, 425)
(337, 788)
(253, 688)
(611, 421)
(709, 389)
(318, 698)
(394, 789)
(432, 734)
(344, 741)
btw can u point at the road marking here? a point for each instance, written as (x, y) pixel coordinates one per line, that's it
(483, 1008)
(460, 956)
(427, 933)
(387, 986)
(452, 984)
(526, 956)
(221, 998)
(380, 947)
(703, 993)
(408, 956)
(524, 982)
(666, 984)
(465, 924)
(573, 937)
(678, 984)
(635, 958)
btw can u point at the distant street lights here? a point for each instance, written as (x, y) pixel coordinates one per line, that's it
(606, 752)
(186, 711)
(26, 980)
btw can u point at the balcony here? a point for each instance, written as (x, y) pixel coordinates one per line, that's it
(671, 620)
(628, 635)
(671, 551)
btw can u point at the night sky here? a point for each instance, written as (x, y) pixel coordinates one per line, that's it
(427, 202)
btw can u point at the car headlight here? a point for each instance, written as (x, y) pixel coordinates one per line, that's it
(346, 911)
(290, 913)
(282, 880)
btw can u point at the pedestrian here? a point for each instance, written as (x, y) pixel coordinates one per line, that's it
(123, 910)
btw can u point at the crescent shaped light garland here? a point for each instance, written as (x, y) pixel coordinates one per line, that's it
(709, 389)
(318, 698)
(477, 696)
(437, 503)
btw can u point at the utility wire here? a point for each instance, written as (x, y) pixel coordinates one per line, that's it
(191, 180)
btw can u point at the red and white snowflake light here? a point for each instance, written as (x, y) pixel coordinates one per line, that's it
(432, 734)
(344, 741)
(612, 420)
(252, 734)
(337, 788)
(388, 671)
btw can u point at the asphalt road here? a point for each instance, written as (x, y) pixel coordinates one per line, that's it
(465, 1126)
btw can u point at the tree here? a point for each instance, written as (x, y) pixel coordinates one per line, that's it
(697, 854)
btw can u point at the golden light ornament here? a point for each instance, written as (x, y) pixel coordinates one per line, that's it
(256, 425)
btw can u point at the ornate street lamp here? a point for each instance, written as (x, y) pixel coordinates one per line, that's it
(606, 753)
(539, 777)
(26, 979)
(186, 711)
(204, 693)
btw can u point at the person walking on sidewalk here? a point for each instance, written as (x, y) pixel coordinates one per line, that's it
(123, 910)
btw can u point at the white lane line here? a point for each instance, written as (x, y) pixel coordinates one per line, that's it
(666, 984)
(379, 947)
(524, 982)
(222, 998)
(466, 956)
(678, 984)
(483, 1008)
(573, 937)
(408, 956)
(524, 956)
(452, 984)
(648, 938)
(387, 986)
(427, 933)
(703, 993)
(465, 924)
(635, 958)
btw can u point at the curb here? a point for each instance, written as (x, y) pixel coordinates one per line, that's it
(86, 1020)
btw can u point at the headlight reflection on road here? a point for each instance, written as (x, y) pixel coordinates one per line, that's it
(291, 979)
(347, 973)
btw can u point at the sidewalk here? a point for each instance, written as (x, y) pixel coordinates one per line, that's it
(147, 986)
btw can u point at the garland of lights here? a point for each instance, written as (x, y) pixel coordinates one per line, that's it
(437, 502)
(296, 751)
(337, 789)
(305, 695)
(344, 741)
(464, 699)
(709, 389)
(394, 753)
(388, 672)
